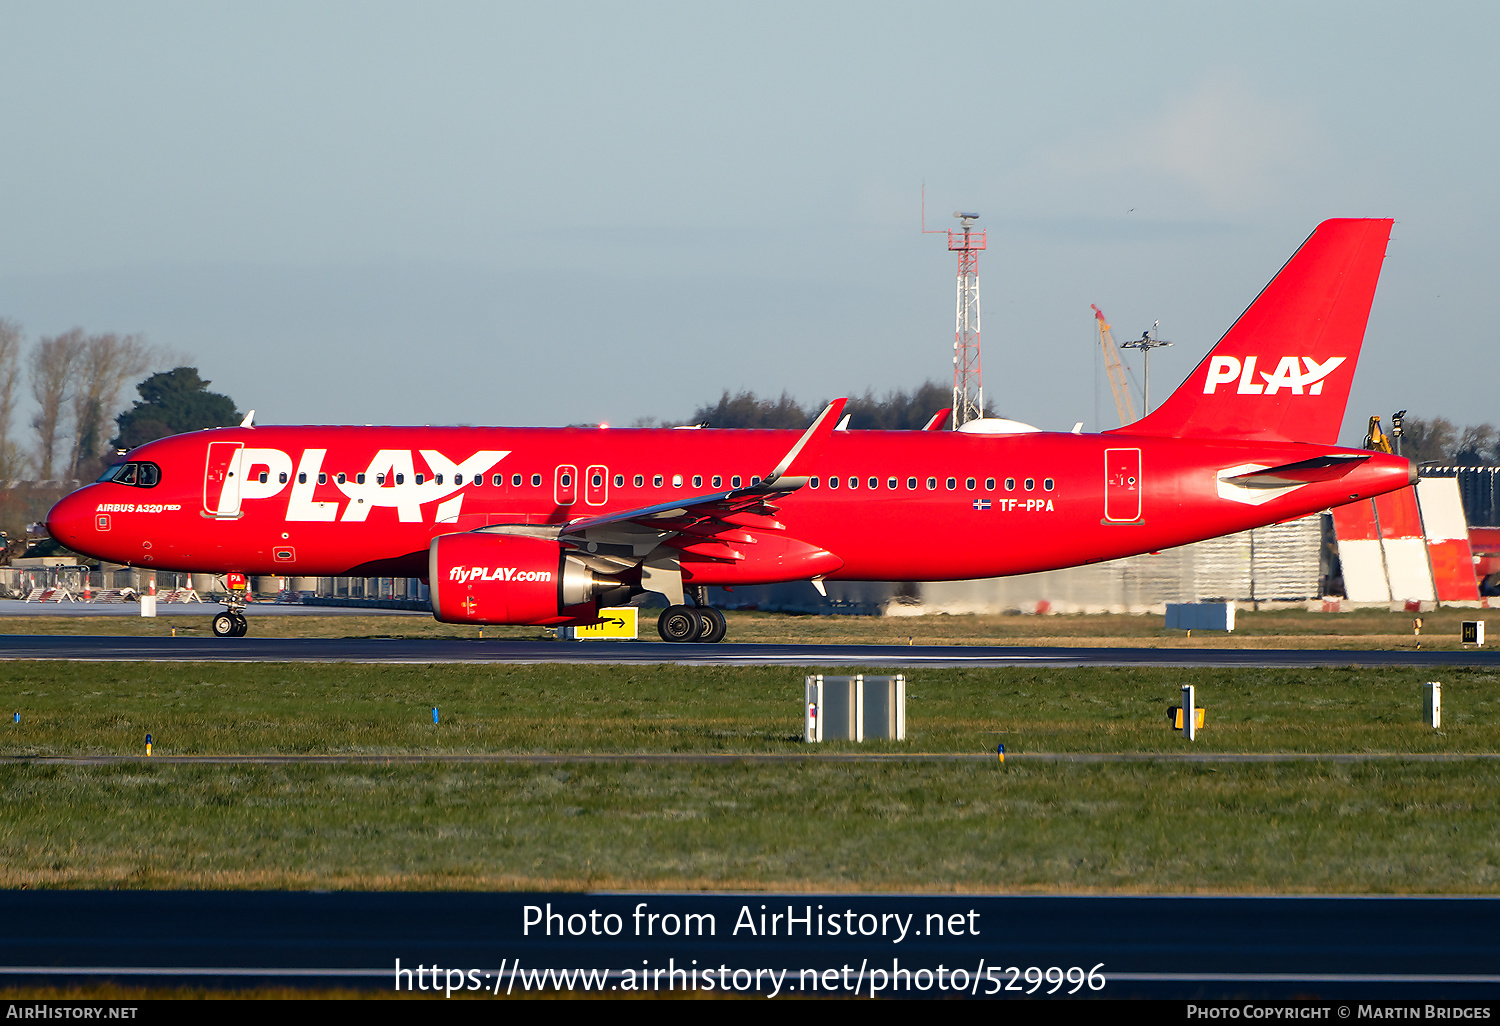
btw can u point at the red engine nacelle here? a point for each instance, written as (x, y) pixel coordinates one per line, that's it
(502, 578)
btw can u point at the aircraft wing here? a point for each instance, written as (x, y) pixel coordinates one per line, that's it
(708, 525)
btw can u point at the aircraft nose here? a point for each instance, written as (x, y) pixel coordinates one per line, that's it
(71, 520)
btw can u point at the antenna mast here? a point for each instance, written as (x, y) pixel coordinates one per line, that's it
(968, 386)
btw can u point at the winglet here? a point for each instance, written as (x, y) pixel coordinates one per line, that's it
(806, 450)
(249, 420)
(938, 420)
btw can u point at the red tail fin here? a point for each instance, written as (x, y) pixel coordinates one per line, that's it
(1283, 370)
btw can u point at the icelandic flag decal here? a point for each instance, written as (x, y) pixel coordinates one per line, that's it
(981, 504)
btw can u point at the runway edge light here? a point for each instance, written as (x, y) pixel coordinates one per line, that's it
(1432, 704)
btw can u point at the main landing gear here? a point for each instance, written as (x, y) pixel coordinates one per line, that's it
(701, 623)
(230, 624)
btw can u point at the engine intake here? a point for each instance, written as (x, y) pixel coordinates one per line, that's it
(500, 578)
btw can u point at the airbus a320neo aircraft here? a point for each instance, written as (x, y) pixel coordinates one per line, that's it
(543, 525)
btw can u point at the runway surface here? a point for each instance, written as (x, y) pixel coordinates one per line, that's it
(1163, 947)
(206, 610)
(409, 650)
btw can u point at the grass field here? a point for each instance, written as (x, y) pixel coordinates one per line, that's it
(1368, 628)
(1392, 826)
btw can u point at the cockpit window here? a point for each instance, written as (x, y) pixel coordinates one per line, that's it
(138, 474)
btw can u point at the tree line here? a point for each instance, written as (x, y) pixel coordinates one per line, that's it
(1439, 440)
(75, 380)
(897, 410)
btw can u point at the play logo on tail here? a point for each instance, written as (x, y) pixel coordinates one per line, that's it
(1283, 370)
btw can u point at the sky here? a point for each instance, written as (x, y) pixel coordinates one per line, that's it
(489, 213)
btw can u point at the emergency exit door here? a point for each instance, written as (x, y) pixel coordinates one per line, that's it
(565, 485)
(1122, 485)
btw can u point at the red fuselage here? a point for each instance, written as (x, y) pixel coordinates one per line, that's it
(909, 505)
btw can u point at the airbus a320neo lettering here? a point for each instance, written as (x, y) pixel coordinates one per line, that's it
(545, 525)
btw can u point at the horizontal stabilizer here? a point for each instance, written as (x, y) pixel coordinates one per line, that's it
(1320, 468)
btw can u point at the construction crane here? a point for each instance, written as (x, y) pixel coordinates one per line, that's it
(1118, 383)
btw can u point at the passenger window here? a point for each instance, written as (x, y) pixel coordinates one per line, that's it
(380, 479)
(302, 478)
(952, 483)
(477, 480)
(359, 479)
(515, 480)
(676, 480)
(640, 480)
(401, 479)
(1030, 483)
(989, 484)
(498, 480)
(536, 480)
(931, 483)
(697, 480)
(718, 481)
(598, 480)
(657, 481)
(911, 484)
(263, 477)
(1010, 484)
(437, 478)
(854, 482)
(755, 480)
(1047, 484)
(322, 479)
(969, 483)
(420, 478)
(890, 482)
(341, 479)
(813, 482)
(734, 482)
(567, 479)
(283, 477)
(833, 482)
(874, 482)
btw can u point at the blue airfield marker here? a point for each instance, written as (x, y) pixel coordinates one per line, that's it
(1000, 751)
(434, 715)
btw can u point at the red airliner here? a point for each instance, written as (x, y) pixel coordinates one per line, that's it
(543, 525)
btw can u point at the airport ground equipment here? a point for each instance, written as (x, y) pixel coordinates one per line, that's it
(854, 708)
(1200, 616)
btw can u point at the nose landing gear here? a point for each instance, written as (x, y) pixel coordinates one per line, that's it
(230, 624)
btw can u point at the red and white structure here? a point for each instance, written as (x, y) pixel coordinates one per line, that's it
(968, 384)
(1410, 545)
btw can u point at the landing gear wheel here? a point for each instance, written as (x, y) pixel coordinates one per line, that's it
(679, 624)
(226, 626)
(241, 625)
(714, 625)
